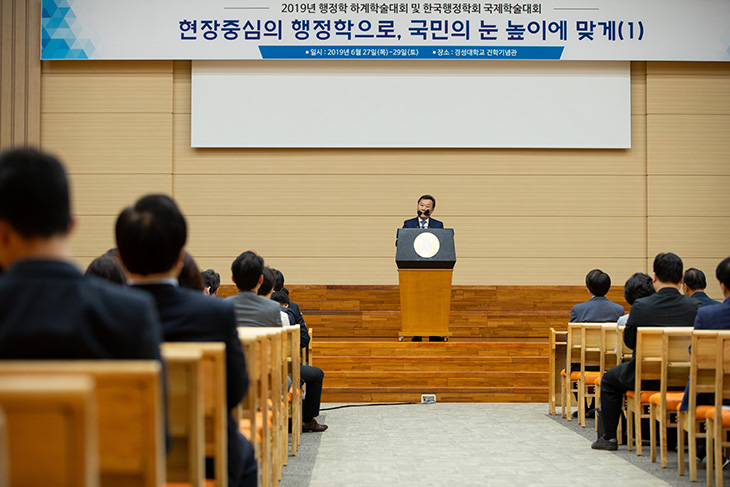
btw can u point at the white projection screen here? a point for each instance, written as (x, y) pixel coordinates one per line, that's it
(505, 104)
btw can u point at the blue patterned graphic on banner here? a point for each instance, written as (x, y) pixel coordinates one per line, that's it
(60, 36)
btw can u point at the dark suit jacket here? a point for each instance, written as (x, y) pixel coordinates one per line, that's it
(713, 317)
(299, 320)
(598, 309)
(704, 299)
(666, 307)
(413, 223)
(189, 316)
(48, 309)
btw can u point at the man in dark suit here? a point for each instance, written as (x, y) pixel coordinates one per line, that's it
(49, 309)
(150, 238)
(666, 307)
(694, 285)
(425, 208)
(717, 317)
(598, 309)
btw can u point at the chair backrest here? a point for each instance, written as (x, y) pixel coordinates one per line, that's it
(215, 411)
(307, 351)
(610, 349)
(129, 411)
(648, 355)
(186, 455)
(703, 360)
(722, 376)
(574, 345)
(51, 430)
(590, 345)
(676, 342)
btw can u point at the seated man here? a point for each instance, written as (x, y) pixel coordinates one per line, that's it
(694, 285)
(598, 309)
(49, 309)
(639, 285)
(248, 268)
(666, 307)
(252, 309)
(150, 237)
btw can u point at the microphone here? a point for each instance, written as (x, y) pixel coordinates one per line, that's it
(427, 212)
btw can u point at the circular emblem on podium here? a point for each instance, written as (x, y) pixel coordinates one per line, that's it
(426, 245)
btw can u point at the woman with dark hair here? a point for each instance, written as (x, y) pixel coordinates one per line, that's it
(190, 276)
(108, 268)
(639, 285)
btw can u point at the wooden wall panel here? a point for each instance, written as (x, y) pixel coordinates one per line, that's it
(20, 73)
(690, 236)
(323, 236)
(107, 92)
(688, 88)
(455, 162)
(688, 144)
(92, 236)
(688, 195)
(111, 143)
(108, 194)
(334, 195)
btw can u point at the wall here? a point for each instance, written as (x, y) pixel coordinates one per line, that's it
(521, 217)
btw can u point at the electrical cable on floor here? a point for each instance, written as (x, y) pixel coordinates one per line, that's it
(369, 404)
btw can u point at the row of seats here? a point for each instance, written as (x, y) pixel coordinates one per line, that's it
(663, 356)
(102, 422)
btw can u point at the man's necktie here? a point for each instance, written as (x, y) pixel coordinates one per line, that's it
(423, 224)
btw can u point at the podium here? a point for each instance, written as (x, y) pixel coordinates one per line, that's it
(425, 260)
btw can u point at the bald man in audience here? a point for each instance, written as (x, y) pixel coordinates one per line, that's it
(666, 307)
(694, 285)
(48, 308)
(150, 236)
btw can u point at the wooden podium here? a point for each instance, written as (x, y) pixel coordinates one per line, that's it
(425, 259)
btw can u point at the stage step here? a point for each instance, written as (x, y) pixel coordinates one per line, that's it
(474, 371)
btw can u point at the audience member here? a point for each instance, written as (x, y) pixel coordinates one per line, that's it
(710, 318)
(211, 282)
(287, 315)
(598, 309)
(267, 283)
(252, 309)
(107, 268)
(666, 307)
(49, 309)
(313, 376)
(190, 277)
(639, 285)
(694, 285)
(150, 237)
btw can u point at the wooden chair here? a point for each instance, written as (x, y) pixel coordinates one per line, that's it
(675, 365)
(51, 431)
(307, 354)
(590, 356)
(250, 410)
(129, 412)
(610, 356)
(577, 382)
(569, 381)
(215, 411)
(264, 414)
(703, 361)
(294, 372)
(186, 455)
(556, 362)
(717, 417)
(648, 354)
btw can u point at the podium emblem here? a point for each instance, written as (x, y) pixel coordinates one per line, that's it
(426, 245)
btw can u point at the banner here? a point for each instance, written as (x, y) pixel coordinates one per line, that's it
(616, 30)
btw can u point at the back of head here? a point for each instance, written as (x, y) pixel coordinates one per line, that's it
(280, 297)
(598, 282)
(246, 270)
(150, 235)
(723, 272)
(639, 285)
(34, 193)
(278, 280)
(212, 280)
(107, 268)
(190, 277)
(695, 279)
(267, 285)
(668, 268)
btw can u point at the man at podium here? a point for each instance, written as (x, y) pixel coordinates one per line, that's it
(424, 210)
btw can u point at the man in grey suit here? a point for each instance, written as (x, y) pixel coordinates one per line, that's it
(598, 309)
(252, 309)
(694, 285)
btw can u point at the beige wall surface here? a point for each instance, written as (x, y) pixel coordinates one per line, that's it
(328, 216)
